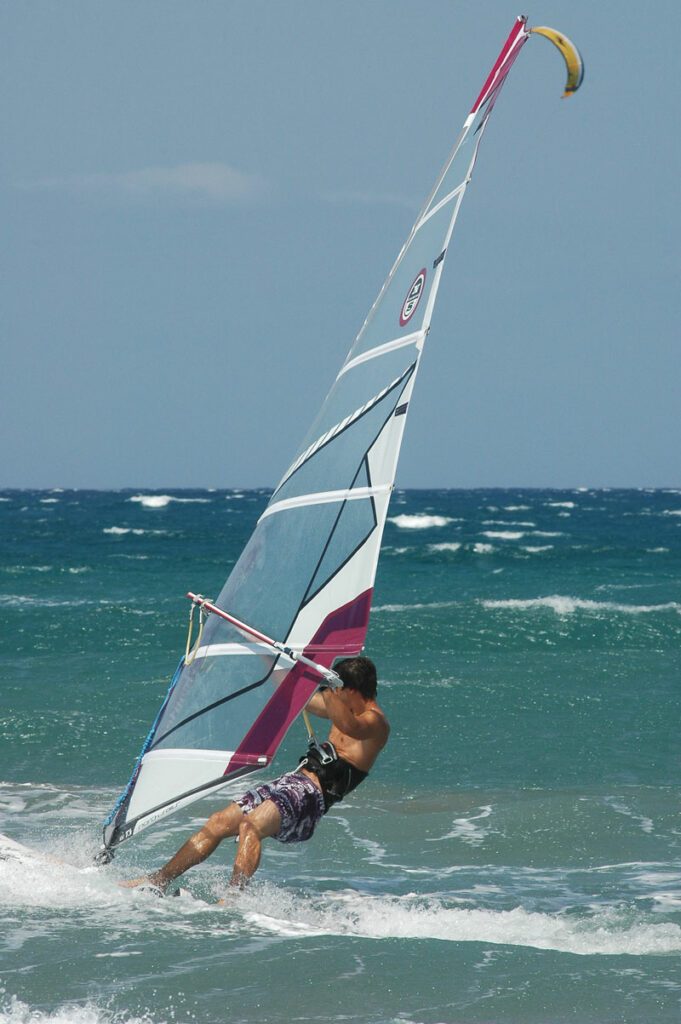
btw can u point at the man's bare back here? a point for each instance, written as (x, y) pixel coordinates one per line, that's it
(289, 808)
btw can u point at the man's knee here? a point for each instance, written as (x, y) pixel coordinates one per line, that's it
(265, 819)
(251, 832)
(226, 822)
(248, 830)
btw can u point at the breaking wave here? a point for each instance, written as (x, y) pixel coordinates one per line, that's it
(607, 932)
(503, 534)
(162, 500)
(120, 531)
(568, 605)
(14, 1011)
(419, 521)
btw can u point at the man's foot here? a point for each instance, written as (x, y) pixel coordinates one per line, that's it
(229, 898)
(153, 890)
(147, 883)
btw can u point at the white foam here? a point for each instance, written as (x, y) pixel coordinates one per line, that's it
(120, 531)
(561, 504)
(14, 1011)
(410, 607)
(667, 899)
(467, 830)
(49, 501)
(162, 500)
(503, 522)
(646, 825)
(39, 883)
(503, 534)
(115, 956)
(546, 533)
(23, 601)
(453, 546)
(483, 549)
(152, 500)
(517, 508)
(671, 512)
(18, 569)
(562, 605)
(606, 932)
(12, 804)
(419, 521)
(536, 549)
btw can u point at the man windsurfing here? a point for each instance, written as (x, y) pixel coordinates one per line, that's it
(289, 808)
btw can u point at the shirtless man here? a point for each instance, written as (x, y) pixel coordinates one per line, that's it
(289, 808)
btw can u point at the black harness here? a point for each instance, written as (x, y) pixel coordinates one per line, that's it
(337, 776)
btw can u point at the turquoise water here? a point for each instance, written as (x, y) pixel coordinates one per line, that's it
(514, 857)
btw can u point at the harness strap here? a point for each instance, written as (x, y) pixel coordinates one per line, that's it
(337, 776)
(314, 744)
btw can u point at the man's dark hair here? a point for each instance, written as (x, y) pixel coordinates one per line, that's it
(358, 674)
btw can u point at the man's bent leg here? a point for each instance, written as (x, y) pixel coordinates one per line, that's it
(219, 826)
(264, 821)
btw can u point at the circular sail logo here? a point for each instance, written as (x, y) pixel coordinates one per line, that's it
(413, 298)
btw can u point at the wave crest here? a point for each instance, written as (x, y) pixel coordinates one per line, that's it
(562, 605)
(419, 521)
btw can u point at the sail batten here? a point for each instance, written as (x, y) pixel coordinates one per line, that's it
(306, 575)
(417, 338)
(443, 202)
(220, 650)
(322, 498)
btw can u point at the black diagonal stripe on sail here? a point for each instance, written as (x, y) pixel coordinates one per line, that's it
(403, 380)
(310, 596)
(215, 704)
(336, 432)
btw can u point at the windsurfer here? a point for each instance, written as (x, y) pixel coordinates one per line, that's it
(289, 808)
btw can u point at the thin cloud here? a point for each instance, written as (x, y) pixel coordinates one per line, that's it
(209, 182)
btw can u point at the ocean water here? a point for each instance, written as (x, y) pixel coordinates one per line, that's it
(515, 857)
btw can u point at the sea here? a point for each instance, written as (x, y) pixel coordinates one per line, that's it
(514, 856)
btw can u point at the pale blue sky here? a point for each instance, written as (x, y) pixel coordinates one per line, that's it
(201, 200)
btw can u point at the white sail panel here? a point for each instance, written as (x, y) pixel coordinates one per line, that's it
(165, 773)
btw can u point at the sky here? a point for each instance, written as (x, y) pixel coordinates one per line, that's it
(200, 202)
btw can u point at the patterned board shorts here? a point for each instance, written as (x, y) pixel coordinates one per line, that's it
(299, 802)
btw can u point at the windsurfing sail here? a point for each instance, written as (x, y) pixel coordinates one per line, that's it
(299, 596)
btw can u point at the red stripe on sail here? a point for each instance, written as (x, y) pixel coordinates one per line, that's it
(491, 82)
(341, 633)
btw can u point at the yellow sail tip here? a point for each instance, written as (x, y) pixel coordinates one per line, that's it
(571, 55)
